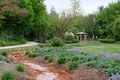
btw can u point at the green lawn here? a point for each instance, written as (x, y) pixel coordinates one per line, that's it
(95, 46)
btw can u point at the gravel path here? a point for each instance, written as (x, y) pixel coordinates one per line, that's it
(28, 44)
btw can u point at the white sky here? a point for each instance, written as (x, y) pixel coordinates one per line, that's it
(88, 6)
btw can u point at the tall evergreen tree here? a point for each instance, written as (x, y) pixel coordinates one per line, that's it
(40, 19)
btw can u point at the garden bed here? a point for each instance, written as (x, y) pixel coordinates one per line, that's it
(69, 61)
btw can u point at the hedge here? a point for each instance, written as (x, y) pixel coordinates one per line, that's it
(107, 40)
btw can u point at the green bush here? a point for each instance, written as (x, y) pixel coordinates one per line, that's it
(5, 53)
(112, 67)
(113, 70)
(10, 43)
(2, 43)
(57, 42)
(73, 64)
(20, 68)
(20, 39)
(8, 76)
(27, 53)
(23, 40)
(69, 36)
(32, 55)
(48, 57)
(107, 40)
(91, 64)
(75, 58)
(8, 60)
(61, 60)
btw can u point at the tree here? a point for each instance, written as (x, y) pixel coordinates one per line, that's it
(24, 18)
(54, 23)
(101, 8)
(11, 15)
(116, 28)
(106, 18)
(76, 16)
(89, 22)
(67, 21)
(27, 20)
(40, 19)
(35, 22)
(76, 7)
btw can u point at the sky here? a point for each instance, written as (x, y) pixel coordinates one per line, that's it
(88, 6)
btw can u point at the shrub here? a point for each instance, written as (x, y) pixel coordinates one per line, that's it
(91, 64)
(69, 36)
(27, 53)
(20, 68)
(5, 53)
(75, 58)
(8, 60)
(20, 39)
(86, 58)
(107, 40)
(2, 43)
(8, 76)
(113, 67)
(113, 70)
(48, 57)
(61, 60)
(23, 40)
(73, 64)
(9, 43)
(32, 55)
(100, 65)
(57, 42)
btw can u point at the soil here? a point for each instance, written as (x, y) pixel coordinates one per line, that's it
(84, 73)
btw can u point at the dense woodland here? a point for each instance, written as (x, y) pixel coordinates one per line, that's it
(29, 20)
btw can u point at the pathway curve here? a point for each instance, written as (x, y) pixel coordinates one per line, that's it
(28, 44)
